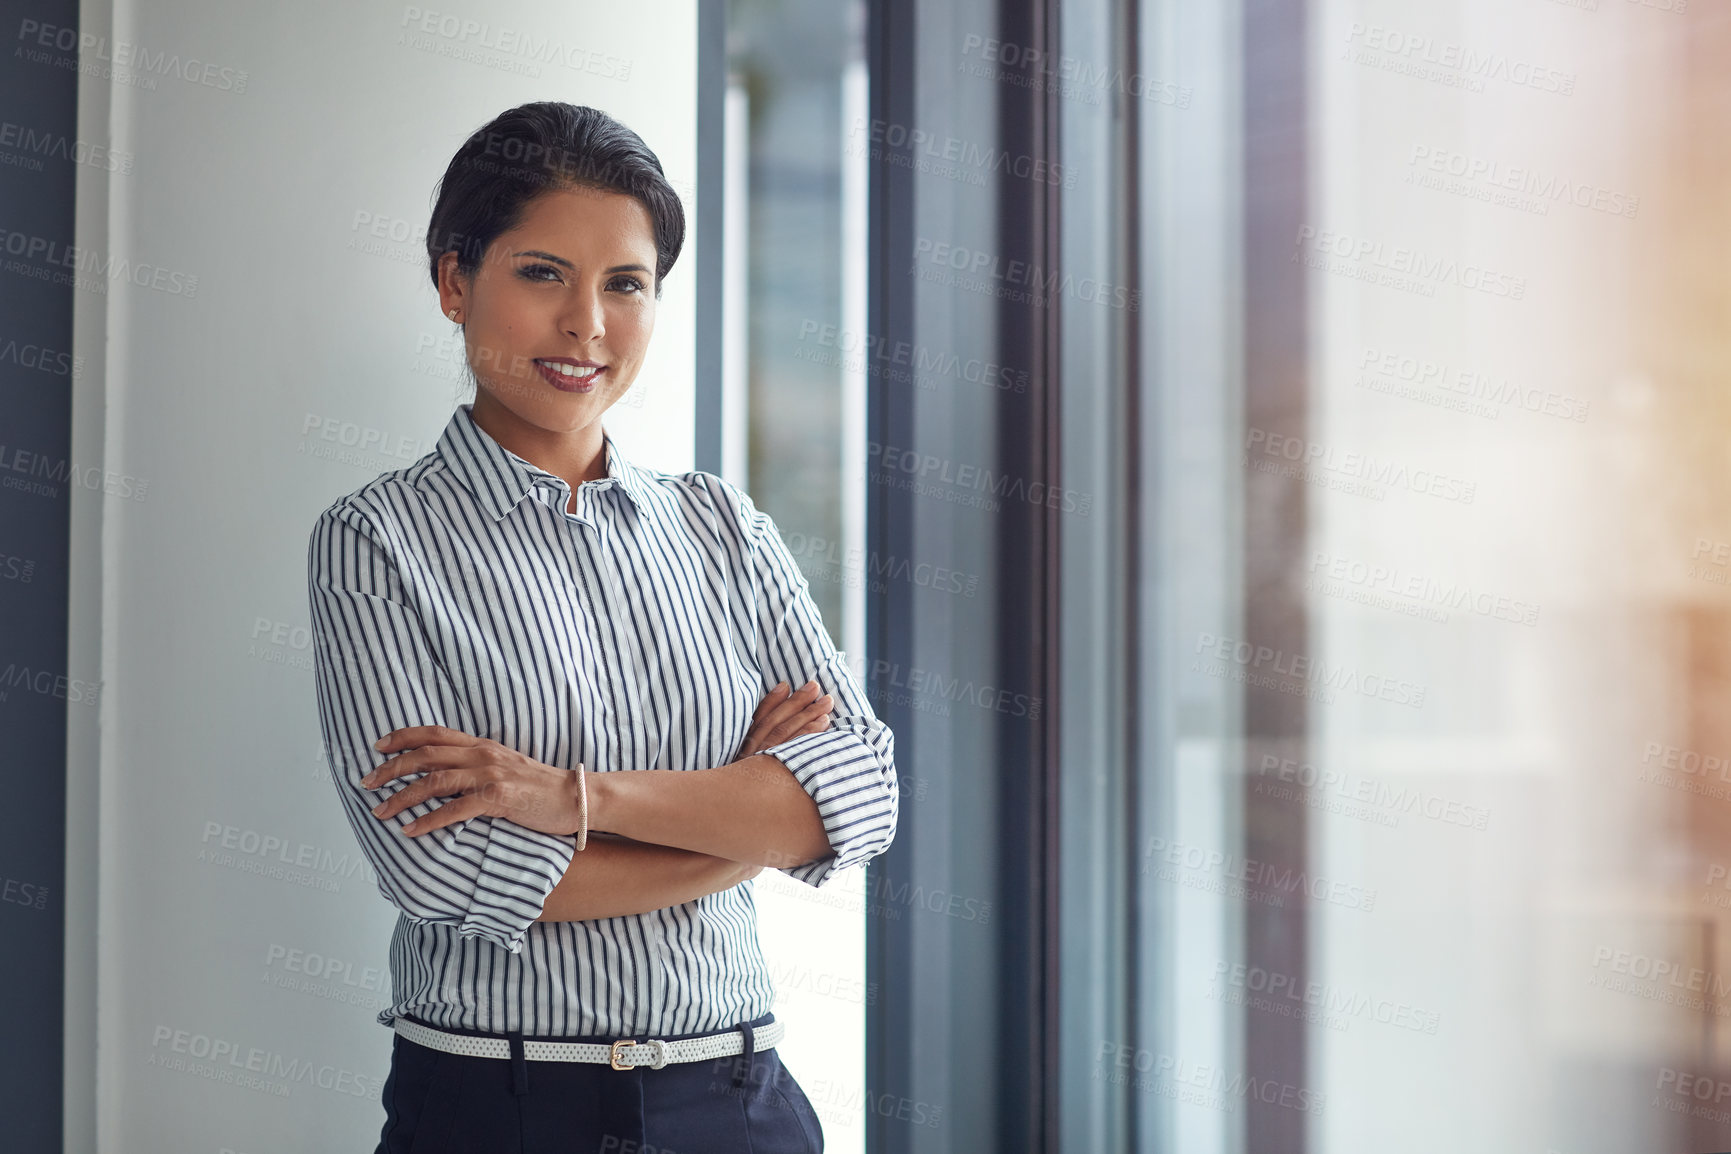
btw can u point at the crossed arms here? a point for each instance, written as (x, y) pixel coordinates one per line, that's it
(466, 832)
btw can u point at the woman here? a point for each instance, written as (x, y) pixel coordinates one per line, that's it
(557, 691)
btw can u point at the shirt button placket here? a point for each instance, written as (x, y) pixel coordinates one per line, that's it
(594, 503)
(590, 607)
(595, 526)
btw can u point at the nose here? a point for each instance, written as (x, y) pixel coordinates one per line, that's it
(584, 316)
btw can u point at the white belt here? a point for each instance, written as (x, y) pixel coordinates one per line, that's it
(621, 1055)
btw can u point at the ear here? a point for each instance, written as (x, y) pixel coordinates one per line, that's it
(453, 285)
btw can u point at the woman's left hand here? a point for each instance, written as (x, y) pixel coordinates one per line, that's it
(490, 778)
(778, 718)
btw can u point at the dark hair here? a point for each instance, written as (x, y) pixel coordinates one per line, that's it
(536, 148)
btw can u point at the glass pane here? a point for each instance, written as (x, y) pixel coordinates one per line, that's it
(1432, 830)
(795, 245)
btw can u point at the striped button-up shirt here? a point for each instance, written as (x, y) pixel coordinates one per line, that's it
(639, 632)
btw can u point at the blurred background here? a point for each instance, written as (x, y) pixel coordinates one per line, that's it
(1263, 458)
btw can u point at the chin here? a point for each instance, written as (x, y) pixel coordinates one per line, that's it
(568, 414)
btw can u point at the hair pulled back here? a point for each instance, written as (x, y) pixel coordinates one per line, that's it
(537, 148)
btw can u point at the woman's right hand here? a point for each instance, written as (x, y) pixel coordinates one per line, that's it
(786, 713)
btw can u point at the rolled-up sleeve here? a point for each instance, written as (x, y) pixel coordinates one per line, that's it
(848, 769)
(375, 672)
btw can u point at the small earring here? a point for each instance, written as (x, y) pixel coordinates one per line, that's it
(452, 314)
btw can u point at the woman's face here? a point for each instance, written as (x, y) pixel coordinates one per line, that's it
(558, 315)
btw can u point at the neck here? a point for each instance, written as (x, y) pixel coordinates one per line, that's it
(577, 455)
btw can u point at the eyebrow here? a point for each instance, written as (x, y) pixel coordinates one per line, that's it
(559, 260)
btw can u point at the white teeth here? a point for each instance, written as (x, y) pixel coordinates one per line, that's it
(581, 374)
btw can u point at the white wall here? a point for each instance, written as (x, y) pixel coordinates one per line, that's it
(193, 596)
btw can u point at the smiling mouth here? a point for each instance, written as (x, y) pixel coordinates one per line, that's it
(571, 378)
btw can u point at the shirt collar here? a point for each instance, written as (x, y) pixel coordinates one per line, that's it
(500, 479)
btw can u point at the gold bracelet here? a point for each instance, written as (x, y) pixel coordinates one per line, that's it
(582, 809)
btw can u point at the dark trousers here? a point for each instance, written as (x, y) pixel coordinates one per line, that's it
(439, 1103)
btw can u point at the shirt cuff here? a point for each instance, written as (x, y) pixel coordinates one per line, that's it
(519, 868)
(855, 794)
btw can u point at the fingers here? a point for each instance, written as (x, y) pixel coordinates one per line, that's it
(416, 760)
(459, 809)
(774, 695)
(422, 735)
(779, 694)
(784, 714)
(798, 723)
(439, 783)
(484, 780)
(776, 713)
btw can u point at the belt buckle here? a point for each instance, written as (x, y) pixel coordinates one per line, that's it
(656, 1044)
